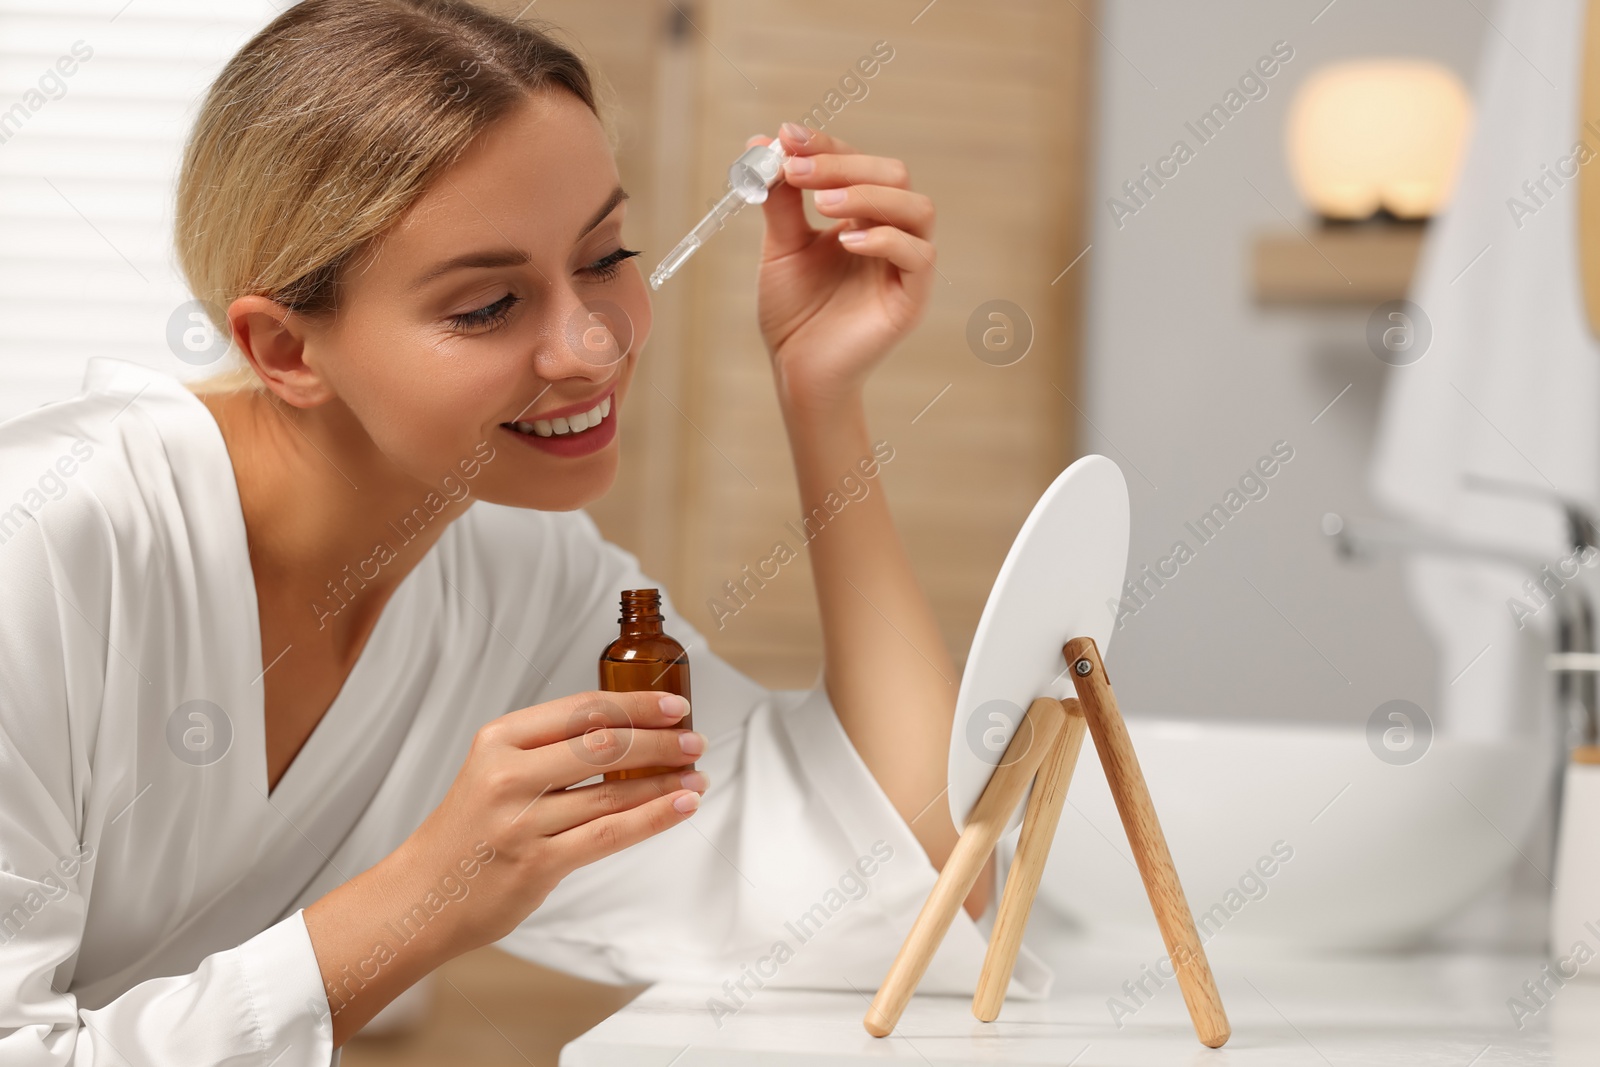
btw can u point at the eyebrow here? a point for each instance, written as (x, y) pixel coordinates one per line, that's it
(511, 257)
(618, 195)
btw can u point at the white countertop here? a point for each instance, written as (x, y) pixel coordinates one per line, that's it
(1358, 1010)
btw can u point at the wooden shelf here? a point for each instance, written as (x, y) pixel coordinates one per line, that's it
(1320, 264)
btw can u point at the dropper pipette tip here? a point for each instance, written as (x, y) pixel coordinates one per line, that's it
(675, 259)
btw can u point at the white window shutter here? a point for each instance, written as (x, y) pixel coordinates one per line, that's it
(96, 99)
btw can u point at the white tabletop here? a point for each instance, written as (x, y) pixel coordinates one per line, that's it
(1361, 1010)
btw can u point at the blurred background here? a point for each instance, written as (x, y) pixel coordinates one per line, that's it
(1184, 313)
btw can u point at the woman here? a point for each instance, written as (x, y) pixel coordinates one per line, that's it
(294, 679)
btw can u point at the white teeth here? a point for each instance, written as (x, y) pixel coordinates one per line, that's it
(568, 424)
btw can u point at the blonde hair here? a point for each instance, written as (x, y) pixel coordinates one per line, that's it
(327, 125)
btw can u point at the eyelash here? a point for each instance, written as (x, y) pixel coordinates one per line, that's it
(487, 316)
(490, 315)
(611, 265)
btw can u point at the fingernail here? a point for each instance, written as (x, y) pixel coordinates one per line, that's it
(695, 780)
(688, 802)
(852, 237)
(829, 196)
(674, 706)
(795, 131)
(799, 165)
(691, 742)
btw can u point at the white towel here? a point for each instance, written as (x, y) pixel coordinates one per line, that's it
(1510, 387)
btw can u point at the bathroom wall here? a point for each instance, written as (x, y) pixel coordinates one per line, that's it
(1187, 381)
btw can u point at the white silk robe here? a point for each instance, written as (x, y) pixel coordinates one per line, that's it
(151, 893)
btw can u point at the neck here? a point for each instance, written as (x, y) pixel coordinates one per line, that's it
(333, 526)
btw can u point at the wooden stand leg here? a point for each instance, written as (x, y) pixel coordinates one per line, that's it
(1027, 866)
(1149, 845)
(1035, 737)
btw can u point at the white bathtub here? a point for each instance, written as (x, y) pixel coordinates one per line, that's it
(1376, 853)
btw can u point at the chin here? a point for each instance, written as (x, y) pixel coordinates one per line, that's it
(574, 488)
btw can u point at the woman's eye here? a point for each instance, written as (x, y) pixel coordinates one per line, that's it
(488, 316)
(492, 315)
(610, 266)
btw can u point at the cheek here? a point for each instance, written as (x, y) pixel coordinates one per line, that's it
(632, 295)
(424, 400)
(644, 311)
(635, 300)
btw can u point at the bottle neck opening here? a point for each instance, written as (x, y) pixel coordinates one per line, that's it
(641, 611)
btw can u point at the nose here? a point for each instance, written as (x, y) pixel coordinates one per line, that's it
(589, 338)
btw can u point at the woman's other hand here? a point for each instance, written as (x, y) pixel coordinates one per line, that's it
(514, 823)
(517, 792)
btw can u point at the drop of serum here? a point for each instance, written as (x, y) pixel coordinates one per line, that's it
(644, 658)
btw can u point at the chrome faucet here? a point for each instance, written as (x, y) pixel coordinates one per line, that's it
(1576, 662)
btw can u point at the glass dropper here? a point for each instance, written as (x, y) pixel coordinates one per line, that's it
(749, 178)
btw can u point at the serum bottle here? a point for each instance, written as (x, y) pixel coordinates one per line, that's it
(645, 658)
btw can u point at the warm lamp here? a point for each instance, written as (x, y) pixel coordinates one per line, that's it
(1377, 134)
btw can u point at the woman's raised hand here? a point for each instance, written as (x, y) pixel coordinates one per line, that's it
(833, 302)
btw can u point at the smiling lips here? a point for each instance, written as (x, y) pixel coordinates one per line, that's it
(573, 433)
(567, 424)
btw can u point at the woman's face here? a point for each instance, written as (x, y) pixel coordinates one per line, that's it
(502, 299)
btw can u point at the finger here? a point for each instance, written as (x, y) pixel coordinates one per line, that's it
(801, 141)
(561, 810)
(912, 212)
(616, 748)
(911, 254)
(590, 841)
(788, 229)
(830, 171)
(573, 716)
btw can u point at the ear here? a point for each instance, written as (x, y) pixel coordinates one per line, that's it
(273, 338)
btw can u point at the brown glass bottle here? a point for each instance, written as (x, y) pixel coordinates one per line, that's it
(644, 658)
